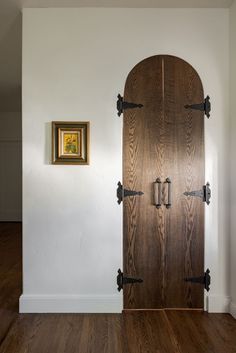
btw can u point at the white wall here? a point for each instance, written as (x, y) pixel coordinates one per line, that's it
(75, 61)
(232, 169)
(10, 166)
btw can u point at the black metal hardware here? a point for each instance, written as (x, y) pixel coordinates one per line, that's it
(157, 193)
(206, 280)
(121, 280)
(121, 193)
(122, 105)
(204, 194)
(203, 107)
(168, 204)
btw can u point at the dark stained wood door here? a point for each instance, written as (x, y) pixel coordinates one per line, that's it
(163, 140)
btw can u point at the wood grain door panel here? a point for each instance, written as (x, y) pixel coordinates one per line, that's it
(163, 139)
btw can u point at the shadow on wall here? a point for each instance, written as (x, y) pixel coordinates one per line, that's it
(48, 141)
(10, 62)
(10, 116)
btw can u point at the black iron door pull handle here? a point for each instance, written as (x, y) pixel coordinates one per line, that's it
(157, 193)
(168, 204)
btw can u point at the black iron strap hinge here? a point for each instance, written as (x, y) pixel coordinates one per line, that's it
(121, 280)
(204, 194)
(122, 105)
(121, 193)
(205, 280)
(203, 107)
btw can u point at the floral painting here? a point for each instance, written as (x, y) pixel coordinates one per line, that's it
(70, 142)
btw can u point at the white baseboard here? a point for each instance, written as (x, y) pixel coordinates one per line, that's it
(218, 304)
(102, 304)
(71, 303)
(232, 309)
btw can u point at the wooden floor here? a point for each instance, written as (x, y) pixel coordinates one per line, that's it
(131, 332)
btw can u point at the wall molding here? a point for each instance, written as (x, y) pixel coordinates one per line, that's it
(102, 304)
(217, 303)
(71, 303)
(232, 309)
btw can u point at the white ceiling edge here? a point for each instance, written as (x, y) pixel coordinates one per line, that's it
(19, 4)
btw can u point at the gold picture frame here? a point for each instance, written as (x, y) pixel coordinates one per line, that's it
(70, 142)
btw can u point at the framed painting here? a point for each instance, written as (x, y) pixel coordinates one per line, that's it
(70, 142)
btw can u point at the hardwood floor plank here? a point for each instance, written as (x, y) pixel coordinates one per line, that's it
(10, 274)
(59, 333)
(131, 332)
(7, 318)
(116, 344)
(147, 331)
(198, 332)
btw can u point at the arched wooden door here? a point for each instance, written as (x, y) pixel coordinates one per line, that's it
(163, 139)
